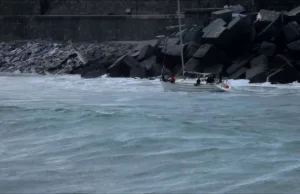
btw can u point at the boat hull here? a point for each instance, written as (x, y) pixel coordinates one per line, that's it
(189, 87)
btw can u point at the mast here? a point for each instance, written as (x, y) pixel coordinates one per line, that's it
(180, 34)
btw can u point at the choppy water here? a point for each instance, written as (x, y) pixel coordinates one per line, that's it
(65, 134)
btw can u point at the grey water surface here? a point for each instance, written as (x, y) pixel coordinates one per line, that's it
(64, 134)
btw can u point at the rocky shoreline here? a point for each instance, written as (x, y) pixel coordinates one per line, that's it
(260, 47)
(42, 57)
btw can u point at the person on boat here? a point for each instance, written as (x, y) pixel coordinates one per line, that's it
(220, 78)
(163, 78)
(198, 82)
(172, 80)
(211, 79)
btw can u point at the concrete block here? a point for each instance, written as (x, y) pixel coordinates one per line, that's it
(239, 74)
(225, 14)
(291, 31)
(267, 48)
(260, 60)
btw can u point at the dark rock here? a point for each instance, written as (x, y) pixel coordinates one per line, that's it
(286, 74)
(215, 69)
(295, 11)
(148, 63)
(297, 65)
(235, 24)
(242, 61)
(268, 16)
(240, 35)
(279, 61)
(123, 66)
(283, 70)
(207, 51)
(65, 58)
(250, 73)
(167, 71)
(236, 8)
(260, 60)
(225, 14)
(131, 62)
(215, 24)
(192, 65)
(155, 70)
(172, 50)
(215, 36)
(139, 72)
(152, 68)
(268, 25)
(171, 61)
(194, 35)
(259, 78)
(267, 49)
(294, 46)
(287, 17)
(135, 53)
(291, 31)
(191, 50)
(239, 74)
(146, 51)
(224, 58)
(93, 69)
(95, 73)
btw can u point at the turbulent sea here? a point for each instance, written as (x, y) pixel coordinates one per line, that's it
(63, 134)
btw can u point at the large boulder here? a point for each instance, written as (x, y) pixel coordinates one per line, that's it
(280, 61)
(191, 49)
(225, 14)
(152, 67)
(240, 36)
(215, 24)
(123, 66)
(95, 69)
(294, 46)
(268, 25)
(292, 31)
(260, 60)
(193, 65)
(295, 13)
(254, 71)
(259, 78)
(239, 74)
(193, 35)
(145, 52)
(214, 69)
(138, 72)
(286, 73)
(267, 48)
(206, 52)
(242, 61)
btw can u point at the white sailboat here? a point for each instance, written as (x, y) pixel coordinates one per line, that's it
(201, 84)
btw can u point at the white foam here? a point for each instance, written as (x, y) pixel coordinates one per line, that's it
(245, 84)
(73, 84)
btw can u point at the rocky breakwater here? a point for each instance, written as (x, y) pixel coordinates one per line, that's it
(260, 47)
(43, 57)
